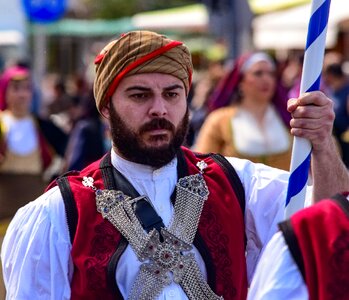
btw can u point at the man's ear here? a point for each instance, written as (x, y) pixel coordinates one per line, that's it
(105, 111)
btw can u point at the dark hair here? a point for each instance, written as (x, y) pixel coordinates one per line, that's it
(334, 69)
(88, 102)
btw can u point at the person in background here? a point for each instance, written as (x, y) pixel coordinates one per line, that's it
(61, 109)
(291, 75)
(202, 90)
(29, 144)
(309, 257)
(249, 119)
(152, 219)
(338, 85)
(88, 140)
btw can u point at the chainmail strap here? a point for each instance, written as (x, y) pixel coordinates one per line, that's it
(191, 194)
(146, 286)
(167, 260)
(116, 207)
(195, 285)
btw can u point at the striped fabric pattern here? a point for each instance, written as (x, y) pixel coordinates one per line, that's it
(139, 52)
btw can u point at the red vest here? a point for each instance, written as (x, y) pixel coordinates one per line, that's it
(97, 245)
(318, 239)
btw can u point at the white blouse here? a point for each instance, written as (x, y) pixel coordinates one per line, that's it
(21, 134)
(36, 249)
(269, 137)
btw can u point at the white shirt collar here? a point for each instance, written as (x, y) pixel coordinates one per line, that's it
(134, 170)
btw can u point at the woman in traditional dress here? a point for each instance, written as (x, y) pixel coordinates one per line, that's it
(28, 144)
(249, 117)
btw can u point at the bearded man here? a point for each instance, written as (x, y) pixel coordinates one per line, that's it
(152, 219)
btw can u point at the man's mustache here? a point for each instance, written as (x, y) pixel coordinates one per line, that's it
(159, 123)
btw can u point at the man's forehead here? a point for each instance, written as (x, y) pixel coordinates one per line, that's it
(151, 81)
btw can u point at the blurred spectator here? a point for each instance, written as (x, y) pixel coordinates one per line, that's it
(59, 109)
(338, 85)
(88, 140)
(291, 76)
(36, 102)
(250, 119)
(202, 91)
(332, 57)
(29, 144)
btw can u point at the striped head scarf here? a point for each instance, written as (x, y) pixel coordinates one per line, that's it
(138, 52)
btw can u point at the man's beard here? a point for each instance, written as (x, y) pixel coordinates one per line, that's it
(131, 146)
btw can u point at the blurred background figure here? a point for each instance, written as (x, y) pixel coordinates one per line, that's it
(61, 108)
(30, 146)
(338, 86)
(249, 117)
(202, 90)
(89, 138)
(291, 75)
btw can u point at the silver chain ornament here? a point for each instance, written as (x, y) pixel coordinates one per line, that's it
(167, 260)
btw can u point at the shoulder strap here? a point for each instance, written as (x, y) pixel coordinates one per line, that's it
(293, 245)
(343, 202)
(69, 204)
(232, 176)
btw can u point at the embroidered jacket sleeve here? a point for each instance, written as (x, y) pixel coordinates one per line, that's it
(36, 251)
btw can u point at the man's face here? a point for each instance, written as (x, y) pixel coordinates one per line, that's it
(148, 117)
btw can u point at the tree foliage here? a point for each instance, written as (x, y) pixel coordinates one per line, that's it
(113, 9)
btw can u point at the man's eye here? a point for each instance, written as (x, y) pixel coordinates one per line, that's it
(139, 96)
(171, 94)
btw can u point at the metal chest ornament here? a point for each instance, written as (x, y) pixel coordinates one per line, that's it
(165, 255)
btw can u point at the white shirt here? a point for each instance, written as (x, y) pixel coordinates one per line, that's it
(277, 276)
(36, 249)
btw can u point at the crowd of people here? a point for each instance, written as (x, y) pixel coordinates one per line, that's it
(244, 113)
(40, 143)
(146, 213)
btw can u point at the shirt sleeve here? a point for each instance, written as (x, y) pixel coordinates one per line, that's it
(277, 276)
(35, 252)
(265, 192)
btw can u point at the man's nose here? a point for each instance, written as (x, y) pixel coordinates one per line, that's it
(158, 107)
